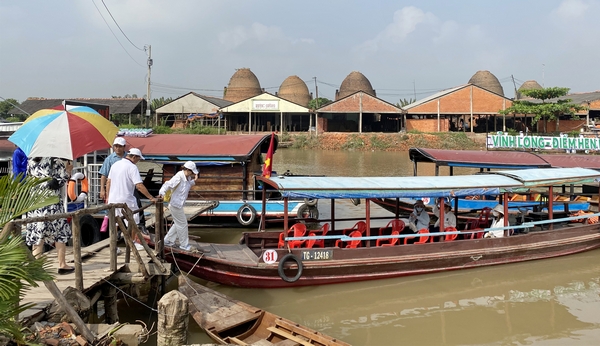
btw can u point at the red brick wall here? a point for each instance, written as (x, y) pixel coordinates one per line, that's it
(427, 125)
(563, 125)
(459, 102)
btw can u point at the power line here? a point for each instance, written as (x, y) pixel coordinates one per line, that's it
(113, 18)
(109, 28)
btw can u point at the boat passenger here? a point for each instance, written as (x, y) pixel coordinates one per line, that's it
(498, 221)
(449, 217)
(419, 218)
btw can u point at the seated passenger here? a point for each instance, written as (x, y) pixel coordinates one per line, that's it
(419, 218)
(498, 221)
(449, 217)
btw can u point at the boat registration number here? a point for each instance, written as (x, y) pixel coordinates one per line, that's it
(317, 255)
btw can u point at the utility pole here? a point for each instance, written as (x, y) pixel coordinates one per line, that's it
(415, 90)
(148, 87)
(515, 85)
(316, 92)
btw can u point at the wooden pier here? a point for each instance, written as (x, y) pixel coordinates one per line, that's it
(99, 271)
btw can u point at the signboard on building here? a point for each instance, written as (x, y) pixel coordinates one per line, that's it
(570, 144)
(270, 105)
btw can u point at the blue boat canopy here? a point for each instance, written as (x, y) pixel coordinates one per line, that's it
(491, 183)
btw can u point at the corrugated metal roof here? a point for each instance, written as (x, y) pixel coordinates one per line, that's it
(477, 159)
(183, 147)
(417, 187)
(501, 159)
(116, 105)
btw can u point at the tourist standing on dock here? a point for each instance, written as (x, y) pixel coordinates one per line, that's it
(117, 154)
(180, 185)
(123, 179)
(57, 232)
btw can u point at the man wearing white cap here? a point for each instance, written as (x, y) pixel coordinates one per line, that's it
(117, 154)
(180, 185)
(123, 178)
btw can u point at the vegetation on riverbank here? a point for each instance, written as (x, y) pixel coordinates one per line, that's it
(384, 141)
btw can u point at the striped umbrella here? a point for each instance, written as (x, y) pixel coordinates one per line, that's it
(62, 132)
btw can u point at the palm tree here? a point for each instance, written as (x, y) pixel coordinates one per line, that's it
(18, 272)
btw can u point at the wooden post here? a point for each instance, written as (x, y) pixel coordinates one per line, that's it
(77, 251)
(112, 227)
(111, 314)
(172, 319)
(130, 245)
(159, 229)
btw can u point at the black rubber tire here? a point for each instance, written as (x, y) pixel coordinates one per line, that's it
(281, 271)
(313, 212)
(311, 202)
(89, 230)
(242, 210)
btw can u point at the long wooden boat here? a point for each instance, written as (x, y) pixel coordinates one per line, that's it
(231, 322)
(277, 259)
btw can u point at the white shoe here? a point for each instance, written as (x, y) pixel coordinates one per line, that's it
(186, 248)
(139, 246)
(169, 244)
(119, 251)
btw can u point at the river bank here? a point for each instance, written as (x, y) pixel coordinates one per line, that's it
(384, 141)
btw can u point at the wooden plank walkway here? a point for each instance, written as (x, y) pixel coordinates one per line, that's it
(191, 210)
(96, 269)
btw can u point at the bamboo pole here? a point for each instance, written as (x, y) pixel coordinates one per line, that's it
(112, 232)
(77, 251)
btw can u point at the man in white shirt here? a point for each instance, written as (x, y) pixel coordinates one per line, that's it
(123, 178)
(419, 218)
(449, 217)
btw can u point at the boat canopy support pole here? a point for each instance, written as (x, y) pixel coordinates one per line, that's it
(333, 214)
(262, 225)
(368, 218)
(551, 205)
(285, 214)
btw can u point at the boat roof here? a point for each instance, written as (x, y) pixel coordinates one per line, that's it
(501, 159)
(489, 183)
(175, 148)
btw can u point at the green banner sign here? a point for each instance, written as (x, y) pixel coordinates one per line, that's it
(543, 143)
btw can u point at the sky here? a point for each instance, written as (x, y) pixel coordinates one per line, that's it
(407, 49)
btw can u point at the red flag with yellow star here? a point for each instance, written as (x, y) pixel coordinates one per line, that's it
(268, 167)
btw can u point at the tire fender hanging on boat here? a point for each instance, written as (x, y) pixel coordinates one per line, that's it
(311, 202)
(245, 209)
(280, 267)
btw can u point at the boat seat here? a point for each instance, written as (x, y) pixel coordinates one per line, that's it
(396, 226)
(360, 226)
(484, 217)
(318, 242)
(297, 230)
(421, 240)
(450, 237)
(473, 225)
(352, 243)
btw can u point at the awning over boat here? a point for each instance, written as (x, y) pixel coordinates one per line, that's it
(430, 186)
(200, 148)
(478, 159)
(501, 159)
(552, 176)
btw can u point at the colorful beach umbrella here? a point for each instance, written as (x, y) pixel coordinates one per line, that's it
(66, 133)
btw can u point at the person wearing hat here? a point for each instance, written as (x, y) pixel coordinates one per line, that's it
(117, 154)
(449, 217)
(180, 186)
(123, 179)
(498, 214)
(419, 218)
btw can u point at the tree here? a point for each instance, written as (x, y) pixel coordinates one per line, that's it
(318, 103)
(405, 102)
(544, 110)
(156, 103)
(17, 271)
(6, 106)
